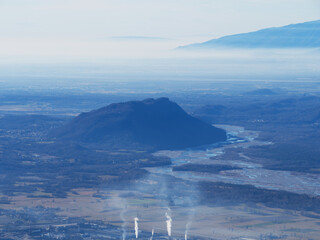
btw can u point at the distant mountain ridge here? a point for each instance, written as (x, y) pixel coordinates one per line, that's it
(150, 124)
(301, 35)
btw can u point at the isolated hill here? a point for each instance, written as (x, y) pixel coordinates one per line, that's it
(302, 35)
(150, 124)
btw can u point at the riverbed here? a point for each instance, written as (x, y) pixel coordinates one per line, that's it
(250, 172)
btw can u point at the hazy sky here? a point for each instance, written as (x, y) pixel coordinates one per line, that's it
(84, 27)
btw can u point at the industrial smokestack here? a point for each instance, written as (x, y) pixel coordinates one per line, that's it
(136, 226)
(186, 232)
(123, 226)
(169, 224)
(152, 233)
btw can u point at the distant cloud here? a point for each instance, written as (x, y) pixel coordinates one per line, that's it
(63, 26)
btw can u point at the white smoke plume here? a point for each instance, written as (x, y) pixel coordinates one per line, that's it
(191, 204)
(136, 226)
(186, 232)
(120, 204)
(152, 233)
(169, 224)
(123, 226)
